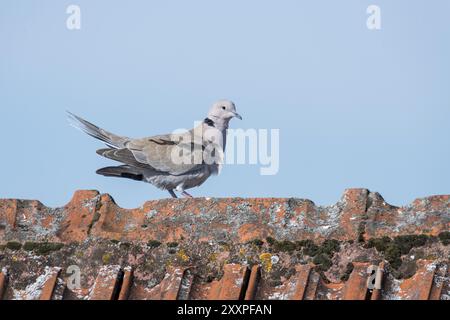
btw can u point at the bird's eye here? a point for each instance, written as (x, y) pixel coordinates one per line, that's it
(223, 108)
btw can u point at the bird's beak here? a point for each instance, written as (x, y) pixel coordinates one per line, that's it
(237, 115)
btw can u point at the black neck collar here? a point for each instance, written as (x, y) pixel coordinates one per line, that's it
(209, 122)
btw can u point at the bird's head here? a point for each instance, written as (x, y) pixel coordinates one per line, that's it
(223, 110)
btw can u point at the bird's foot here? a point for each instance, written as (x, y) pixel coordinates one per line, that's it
(187, 195)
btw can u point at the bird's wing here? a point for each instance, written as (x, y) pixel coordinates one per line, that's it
(124, 156)
(174, 154)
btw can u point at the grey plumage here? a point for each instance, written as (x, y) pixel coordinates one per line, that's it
(108, 138)
(151, 159)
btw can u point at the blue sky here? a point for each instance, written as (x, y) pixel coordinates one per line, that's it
(355, 107)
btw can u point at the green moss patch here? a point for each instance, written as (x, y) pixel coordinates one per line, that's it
(330, 246)
(256, 242)
(308, 247)
(444, 237)
(406, 243)
(380, 244)
(393, 249)
(361, 232)
(270, 240)
(42, 248)
(322, 262)
(125, 245)
(348, 271)
(153, 244)
(321, 254)
(284, 246)
(13, 245)
(172, 244)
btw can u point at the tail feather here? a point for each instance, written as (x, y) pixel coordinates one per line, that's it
(121, 172)
(110, 139)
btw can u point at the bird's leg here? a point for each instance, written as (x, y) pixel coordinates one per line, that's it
(187, 195)
(173, 194)
(180, 188)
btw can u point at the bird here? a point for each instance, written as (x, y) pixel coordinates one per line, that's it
(171, 162)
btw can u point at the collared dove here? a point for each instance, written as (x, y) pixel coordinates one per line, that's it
(171, 161)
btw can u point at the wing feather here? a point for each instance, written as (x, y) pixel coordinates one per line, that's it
(160, 153)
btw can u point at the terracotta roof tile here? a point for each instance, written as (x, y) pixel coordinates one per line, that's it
(253, 282)
(50, 284)
(106, 284)
(356, 286)
(3, 282)
(233, 284)
(419, 287)
(169, 287)
(226, 249)
(126, 284)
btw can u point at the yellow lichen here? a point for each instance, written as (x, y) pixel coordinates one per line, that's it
(182, 255)
(106, 258)
(212, 257)
(266, 261)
